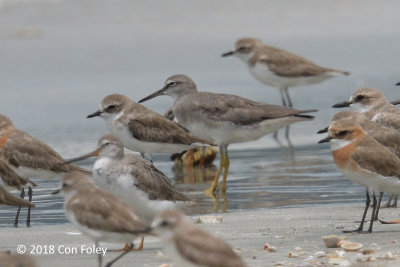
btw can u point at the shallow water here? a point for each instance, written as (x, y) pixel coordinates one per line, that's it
(58, 59)
(267, 178)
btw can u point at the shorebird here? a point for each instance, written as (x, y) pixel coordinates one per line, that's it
(224, 119)
(365, 161)
(189, 245)
(374, 105)
(143, 130)
(280, 68)
(134, 179)
(29, 157)
(98, 214)
(386, 136)
(7, 198)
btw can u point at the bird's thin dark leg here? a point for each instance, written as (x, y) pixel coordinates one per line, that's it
(22, 195)
(289, 101)
(361, 226)
(373, 213)
(120, 256)
(378, 207)
(28, 218)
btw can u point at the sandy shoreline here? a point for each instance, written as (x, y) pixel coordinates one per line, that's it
(291, 230)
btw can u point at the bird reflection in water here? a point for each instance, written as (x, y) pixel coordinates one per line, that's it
(196, 166)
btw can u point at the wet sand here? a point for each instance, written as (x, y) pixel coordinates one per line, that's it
(297, 231)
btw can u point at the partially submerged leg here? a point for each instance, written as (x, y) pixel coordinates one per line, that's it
(28, 218)
(22, 195)
(226, 168)
(210, 191)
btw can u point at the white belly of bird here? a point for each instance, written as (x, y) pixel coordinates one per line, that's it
(122, 186)
(99, 235)
(263, 74)
(374, 181)
(145, 147)
(229, 133)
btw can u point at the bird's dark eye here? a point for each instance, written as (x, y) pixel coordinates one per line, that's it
(171, 83)
(111, 107)
(243, 49)
(64, 185)
(164, 223)
(342, 133)
(360, 97)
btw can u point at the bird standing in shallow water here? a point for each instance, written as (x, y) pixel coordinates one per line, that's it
(224, 119)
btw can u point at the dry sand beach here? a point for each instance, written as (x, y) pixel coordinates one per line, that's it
(296, 233)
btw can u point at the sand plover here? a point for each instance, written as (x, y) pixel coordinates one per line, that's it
(279, 68)
(224, 119)
(363, 160)
(143, 130)
(188, 245)
(29, 157)
(386, 136)
(374, 105)
(98, 214)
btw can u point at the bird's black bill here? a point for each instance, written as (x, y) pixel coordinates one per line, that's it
(342, 104)
(396, 102)
(56, 192)
(325, 130)
(94, 114)
(95, 153)
(325, 140)
(227, 54)
(153, 95)
(398, 83)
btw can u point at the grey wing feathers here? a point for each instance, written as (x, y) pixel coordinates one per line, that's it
(152, 181)
(239, 110)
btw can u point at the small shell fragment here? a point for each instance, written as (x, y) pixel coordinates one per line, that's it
(331, 241)
(208, 219)
(320, 254)
(351, 246)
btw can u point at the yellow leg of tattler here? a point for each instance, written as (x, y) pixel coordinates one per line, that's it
(210, 191)
(226, 168)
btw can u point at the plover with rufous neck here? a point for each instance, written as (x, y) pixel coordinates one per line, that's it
(365, 161)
